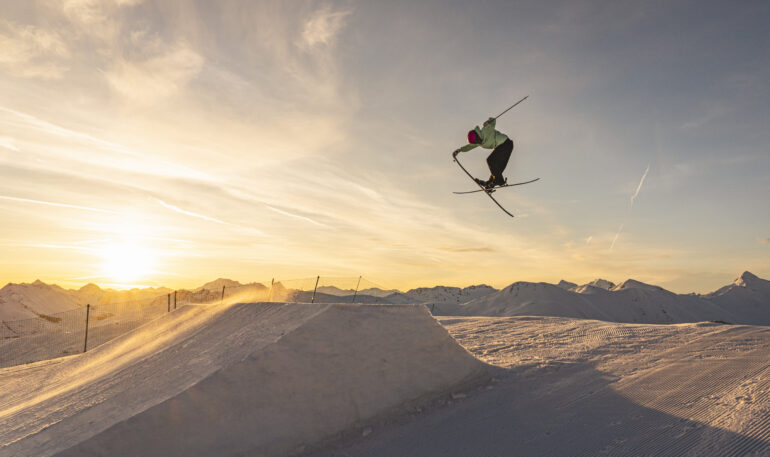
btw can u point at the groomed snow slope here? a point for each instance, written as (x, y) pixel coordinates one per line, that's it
(243, 379)
(567, 387)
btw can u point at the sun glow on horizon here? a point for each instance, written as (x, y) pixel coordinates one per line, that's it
(127, 262)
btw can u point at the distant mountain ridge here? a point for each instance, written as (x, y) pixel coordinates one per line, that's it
(746, 300)
(38, 299)
(444, 294)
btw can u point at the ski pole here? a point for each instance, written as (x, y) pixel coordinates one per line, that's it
(512, 106)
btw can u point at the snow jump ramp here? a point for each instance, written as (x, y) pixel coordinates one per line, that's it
(258, 379)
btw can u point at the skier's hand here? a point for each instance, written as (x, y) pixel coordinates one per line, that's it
(489, 121)
(455, 152)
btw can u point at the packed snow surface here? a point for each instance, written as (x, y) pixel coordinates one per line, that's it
(244, 379)
(568, 387)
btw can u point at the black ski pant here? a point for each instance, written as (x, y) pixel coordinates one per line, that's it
(498, 160)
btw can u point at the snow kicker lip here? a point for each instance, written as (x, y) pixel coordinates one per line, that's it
(326, 369)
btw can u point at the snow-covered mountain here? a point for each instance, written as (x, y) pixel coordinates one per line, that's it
(449, 295)
(529, 298)
(372, 292)
(218, 283)
(747, 296)
(601, 284)
(746, 301)
(376, 292)
(30, 300)
(38, 299)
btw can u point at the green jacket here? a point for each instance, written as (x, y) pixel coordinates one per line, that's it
(490, 138)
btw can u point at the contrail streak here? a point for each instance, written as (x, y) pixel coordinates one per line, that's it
(639, 187)
(630, 206)
(59, 205)
(616, 236)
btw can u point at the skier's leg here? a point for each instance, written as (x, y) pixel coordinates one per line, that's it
(498, 160)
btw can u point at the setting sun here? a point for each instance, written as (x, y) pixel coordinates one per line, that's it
(126, 262)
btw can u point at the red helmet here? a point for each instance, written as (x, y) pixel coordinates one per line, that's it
(472, 136)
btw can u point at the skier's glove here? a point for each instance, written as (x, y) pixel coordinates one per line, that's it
(455, 152)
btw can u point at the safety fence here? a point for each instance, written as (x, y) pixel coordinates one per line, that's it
(78, 330)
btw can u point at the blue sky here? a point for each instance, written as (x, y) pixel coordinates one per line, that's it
(287, 139)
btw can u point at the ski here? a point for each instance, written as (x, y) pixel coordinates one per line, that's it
(497, 187)
(486, 191)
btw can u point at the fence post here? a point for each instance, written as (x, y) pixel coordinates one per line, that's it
(270, 294)
(356, 292)
(223, 295)
(169, 303)
(312, 300)
(88, 313)
(174, 299)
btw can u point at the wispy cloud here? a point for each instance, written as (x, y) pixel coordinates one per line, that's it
(711, 114)
(297, 216)
(8, 143)
(469, 249)
(32, 52)
(154, 79)
(59, 205)
(54, 129)
(322, 27)
(95, 19)
(140, 162)
(189, 213)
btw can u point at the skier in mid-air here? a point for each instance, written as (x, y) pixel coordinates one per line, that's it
(502, 147)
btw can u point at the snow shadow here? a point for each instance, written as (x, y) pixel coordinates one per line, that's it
(562, 409)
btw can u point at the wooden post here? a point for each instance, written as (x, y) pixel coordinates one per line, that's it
(356, 292)
(223, 295)
(169, 303)
(88, 313)
(174, 299)
(312, 300)
(270, 294)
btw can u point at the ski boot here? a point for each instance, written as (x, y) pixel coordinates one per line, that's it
(499, 181)
(485, 184)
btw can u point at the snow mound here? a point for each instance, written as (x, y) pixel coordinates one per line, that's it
(244, 379)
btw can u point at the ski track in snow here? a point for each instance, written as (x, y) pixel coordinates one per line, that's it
(571, 387)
